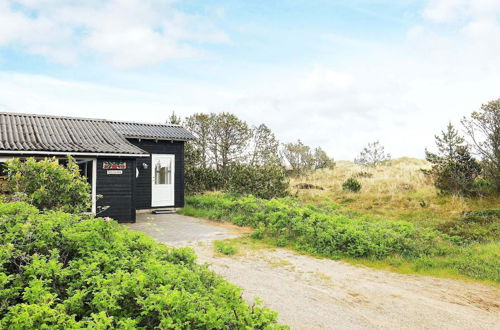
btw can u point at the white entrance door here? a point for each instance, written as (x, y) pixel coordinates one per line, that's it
(162, 171)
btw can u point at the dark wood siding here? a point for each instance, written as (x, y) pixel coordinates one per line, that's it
(118, 191)
(143, 181)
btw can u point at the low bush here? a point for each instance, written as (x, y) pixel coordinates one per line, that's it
(200, 179)
(225, 248)
(363, 174)
(318, 231)
(49, 185)
(334, 233)
(351, 184)
(267, 181)
(264, 181)
(478, 226)
(64, 271)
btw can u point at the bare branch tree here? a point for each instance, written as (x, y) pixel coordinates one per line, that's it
(372, 155)
(483, 129)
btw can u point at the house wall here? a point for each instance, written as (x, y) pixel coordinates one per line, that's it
(117, 190)
(143, 181)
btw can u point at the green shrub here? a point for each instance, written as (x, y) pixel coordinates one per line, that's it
(65, 271)
(315, 230)
(199, 180)
(49, 185)
(478, 226)
(454, 170)
(264, 181)
(225, 248)
(327, 232)
(267, 181)
(351, 184)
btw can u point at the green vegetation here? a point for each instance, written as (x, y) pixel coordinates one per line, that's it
(351, 184)
(225, 248)
(333, 231)
(49, 185)
(454, 170)
(260, 180)
(229, 155)
(64, 271)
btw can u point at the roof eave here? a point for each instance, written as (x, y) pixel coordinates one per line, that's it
(64, 153)
(158, 138)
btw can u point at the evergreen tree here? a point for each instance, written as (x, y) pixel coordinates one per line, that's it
(174, 119)
(454, 170)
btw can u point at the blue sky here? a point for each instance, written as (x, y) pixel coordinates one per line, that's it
(338, 74)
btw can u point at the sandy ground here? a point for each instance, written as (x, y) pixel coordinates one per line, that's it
(313, 293)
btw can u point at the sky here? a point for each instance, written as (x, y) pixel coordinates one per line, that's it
(335, 74)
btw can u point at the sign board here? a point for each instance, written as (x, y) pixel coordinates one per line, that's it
(114, 165)
(115, 172)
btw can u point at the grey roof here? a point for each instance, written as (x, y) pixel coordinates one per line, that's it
(152, 131)
(28, 132)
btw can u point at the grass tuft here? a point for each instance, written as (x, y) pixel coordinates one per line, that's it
(225, 248)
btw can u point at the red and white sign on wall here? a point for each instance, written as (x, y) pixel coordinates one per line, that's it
(114, 165)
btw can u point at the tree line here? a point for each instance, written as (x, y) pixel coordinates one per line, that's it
(231, 155)
(223, 140)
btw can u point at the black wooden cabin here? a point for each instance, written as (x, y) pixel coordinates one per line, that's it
(130, 166)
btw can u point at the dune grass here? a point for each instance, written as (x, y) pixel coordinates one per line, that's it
(398, 191)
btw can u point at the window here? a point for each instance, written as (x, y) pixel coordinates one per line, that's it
(3, 178)
(163, 172)
(85, 167)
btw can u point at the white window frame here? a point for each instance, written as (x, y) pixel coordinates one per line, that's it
(94, 182)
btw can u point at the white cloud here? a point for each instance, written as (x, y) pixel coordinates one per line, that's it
(401, 94)
(447, 11)
(126, 33)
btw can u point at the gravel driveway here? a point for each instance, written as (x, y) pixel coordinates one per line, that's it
(313, 293)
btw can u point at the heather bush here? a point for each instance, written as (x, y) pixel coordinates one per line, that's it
(64, 271)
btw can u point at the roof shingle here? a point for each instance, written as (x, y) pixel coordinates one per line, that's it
(152, 131)
(28, 132)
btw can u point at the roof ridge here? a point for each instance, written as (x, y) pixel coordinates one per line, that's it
(141, 123)
(24, 114)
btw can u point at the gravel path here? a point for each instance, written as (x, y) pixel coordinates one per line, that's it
(313, 293)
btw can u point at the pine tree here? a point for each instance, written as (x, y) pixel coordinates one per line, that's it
(174, 119)
(448, 142)
(454, 170)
